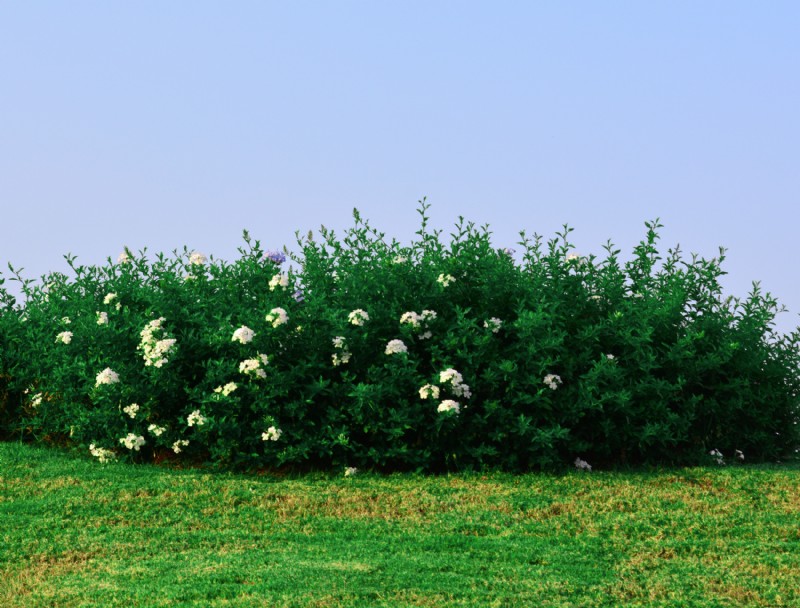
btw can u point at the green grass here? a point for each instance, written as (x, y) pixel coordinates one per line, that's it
(77, 533)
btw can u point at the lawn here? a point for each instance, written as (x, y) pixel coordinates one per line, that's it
(78, 533)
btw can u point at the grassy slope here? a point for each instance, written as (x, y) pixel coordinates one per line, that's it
(76, 533)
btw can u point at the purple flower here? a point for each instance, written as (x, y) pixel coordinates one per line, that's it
(275, 256)
(298, 296)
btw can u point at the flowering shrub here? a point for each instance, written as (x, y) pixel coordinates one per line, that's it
(376, 355)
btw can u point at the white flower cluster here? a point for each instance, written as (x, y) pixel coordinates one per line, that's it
(395, 346)
(66, 320)
(64, 337)
(243, 335)
(109, 298)
(456, 383)
(107, 376)
(36, 400)
(358, 317)
(582, 465)
(400, 259)
(344, 357)
(429, 391)
(610, 357)
(552, 381)
(272, 434)
(457, 386)
(445, 279)
(102, 318)
(195, 418)
(494, 324)
(197, 258)
(131, 410)
(279, 280)
(123, 258)
(277, 316)
(155, 351)
(181, 443)
(448, 405)
(350, 471)
(102, 454)
(227, 389)
(156, 430)
(252, 367)
(132, 442)
(418, 320)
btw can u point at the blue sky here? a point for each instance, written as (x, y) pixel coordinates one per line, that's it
(163, 124)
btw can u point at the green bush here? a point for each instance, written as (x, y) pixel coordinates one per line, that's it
(425, 357)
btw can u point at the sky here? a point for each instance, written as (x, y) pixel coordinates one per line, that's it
(163, 124)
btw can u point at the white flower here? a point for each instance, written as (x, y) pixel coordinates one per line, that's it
(189, 277)
(429, 391)
(154, 350)
(101, 454)
(244, 335)
(428, 315)
(462, 390)
(610, 357)
(358, 317)
(456, 382)
(272, 434)
(107, 376)
(264, 358)
(66, 320)
(132, 442)
(350, 471)
(448, 405)
(123, 258)
(450, 375)
(197, 258)
(738, 454)
(176, 447)
(279, 280)
(131, 410)
(102, 318)
(340, 359)
(412, 318)
(36, 400)
(395, 346)
(552, 381)
(277, 316)
(399, 259)
(227, 389)
(109, 297)
(65, 337)
(445, 279)
(155, 430)
(252, 367)
(572, 257)
(582, 465)
(494, 324)
(425, 335)
(595, 297)
(339, 342)
(196, 418)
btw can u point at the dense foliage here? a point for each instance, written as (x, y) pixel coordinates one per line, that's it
(428, 356)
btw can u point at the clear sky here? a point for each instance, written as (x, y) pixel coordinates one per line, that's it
(163, 124)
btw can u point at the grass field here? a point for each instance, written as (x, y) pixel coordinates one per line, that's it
(77, 533)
